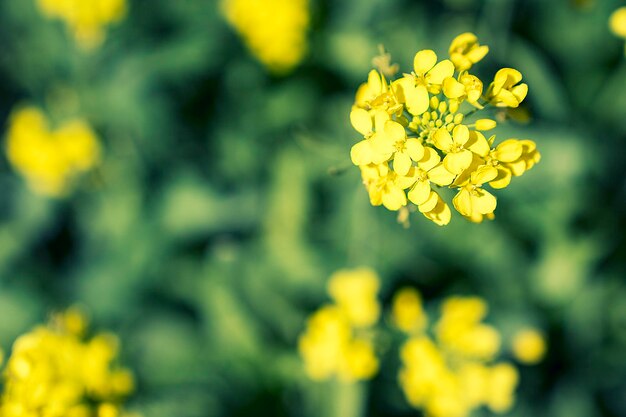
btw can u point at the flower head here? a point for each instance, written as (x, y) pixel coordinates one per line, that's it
(50, 159)
(275, 31)
(336, 341)
(56, 368)
(453, 373)
(418, 134)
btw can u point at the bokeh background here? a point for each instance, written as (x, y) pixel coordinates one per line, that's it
(226, 198)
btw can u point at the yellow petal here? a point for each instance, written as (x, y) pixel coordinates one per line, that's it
(478, 144)
(463, 202)
(452, 88)
(394, 131)
(401, 163)
(483, 174)
(361, 121)
(508, 77)
(460, 134)
(484, 202)
(414, 148)
(457, 162)
(478, 54)
(430, 203)
(417, 100)
(361, 153)
(508, 151)
(503, 179)
(429, 160)
(520, 92)
(440, 215)
(419, 193)
(462, 41)
(380, 117)
(393, 198)
(517, 168)
(440, 175)
(423, 61)
(374, 82)
(442, 139)
(440, 72)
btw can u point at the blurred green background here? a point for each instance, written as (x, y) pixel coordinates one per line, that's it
(226, 198)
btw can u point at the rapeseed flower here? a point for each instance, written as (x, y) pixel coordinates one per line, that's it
(85, 19)
(50, 160)
(453, 372)
(56, 371)
(337, 341)
(418, 131)
(275, 31)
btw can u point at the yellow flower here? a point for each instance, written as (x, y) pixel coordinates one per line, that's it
(392, 144)
(53, 368)
(50, 160)
(407, 312)
(355, 293)
(335, 342)
(428, 169)
(457, 158)
(617, 22)
(375, 94)
(86, 19)
(384, 186)
(275, 31)
(506, 90)
(465, 51)
(367, 124)
(322, 345)
(529, 346)
(472, 200)
(427, 76)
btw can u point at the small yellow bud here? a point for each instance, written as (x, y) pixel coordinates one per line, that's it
(485, 124)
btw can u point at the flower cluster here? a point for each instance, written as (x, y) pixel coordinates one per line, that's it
(55, 371)
(451, 373)
(50, 160)
(273, 30)
(338, 340)
(617, 23)
(85, 19)
(417, 135)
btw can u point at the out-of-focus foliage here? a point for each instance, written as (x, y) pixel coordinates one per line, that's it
(225, 197)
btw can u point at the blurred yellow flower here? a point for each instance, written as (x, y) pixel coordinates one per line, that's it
(417, 134)
(617, 22)
(354, 291)
(529, 346)
(55, 371)
(275, 31)
(407, 312)
(452, 374)
(85, 19)
(336, 341)
(50, 160)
